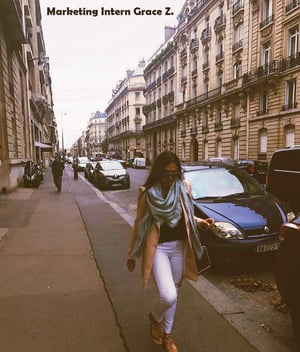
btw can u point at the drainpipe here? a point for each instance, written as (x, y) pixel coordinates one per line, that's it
(250, 31)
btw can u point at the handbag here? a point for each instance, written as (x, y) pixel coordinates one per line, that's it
(203, 263)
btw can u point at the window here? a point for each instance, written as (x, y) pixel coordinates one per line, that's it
(290, 94)
(237, 70)
(137, 127)
(205, 150)
(263, 102)
(267, 9)
(266, 56)
(236, 148)
(137, 111)
(183, 151)
(293, 41)
(219, 147)
(262, 141)
(289, 135)
(238, 33)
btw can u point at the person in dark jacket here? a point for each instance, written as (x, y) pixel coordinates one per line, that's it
(57, 171)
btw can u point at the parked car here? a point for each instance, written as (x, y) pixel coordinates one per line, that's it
(247, 218)
(283, 178)
(257, 169)
(222, 160)
(89, 170)
(287, 271)
(82, 162)
(110, 174)
(139, 163)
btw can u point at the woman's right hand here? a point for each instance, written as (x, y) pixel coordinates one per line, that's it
(131, 265)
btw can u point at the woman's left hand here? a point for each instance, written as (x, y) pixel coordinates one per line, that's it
(206, 224)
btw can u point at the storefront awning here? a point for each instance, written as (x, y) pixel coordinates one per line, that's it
(43, 146)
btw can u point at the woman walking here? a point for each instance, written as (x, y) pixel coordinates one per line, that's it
(165, 234)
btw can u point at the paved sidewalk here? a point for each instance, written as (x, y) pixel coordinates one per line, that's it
(54, 298)
(51, 296)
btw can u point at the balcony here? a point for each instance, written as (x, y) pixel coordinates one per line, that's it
(183, 53)
(184, 80)
(292, 5)
(291, 105)
(237, 7)
(194, 72)
(169, 72)
(204, 98)
(205, 128)
(237, 46)
(194, 45)
(219, 57)
(262, 112)
(158, 102)
(205, 66)
(206, 35)
(220, 23)
(291, 62)
(266, 21)
(235, 122)
(218, 125)
(193, 131)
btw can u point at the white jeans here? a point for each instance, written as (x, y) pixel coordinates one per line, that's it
(167, 272)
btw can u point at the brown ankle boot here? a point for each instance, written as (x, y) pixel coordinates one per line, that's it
(169, 343)
(156, 330)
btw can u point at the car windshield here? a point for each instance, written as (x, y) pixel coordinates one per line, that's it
(221, 182)
(111, 165)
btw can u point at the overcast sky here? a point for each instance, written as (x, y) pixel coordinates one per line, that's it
(88, 55)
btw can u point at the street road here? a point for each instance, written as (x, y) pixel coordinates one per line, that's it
(235, 283)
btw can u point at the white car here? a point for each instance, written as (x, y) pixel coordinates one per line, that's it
(139, 163)
(82, 162)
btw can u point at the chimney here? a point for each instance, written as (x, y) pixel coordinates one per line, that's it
(142, 63)
(169, 31)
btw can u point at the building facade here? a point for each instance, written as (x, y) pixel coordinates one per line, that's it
(125, 116)
(95, 134)
(233, 67)
(27, 122)
(160, 129)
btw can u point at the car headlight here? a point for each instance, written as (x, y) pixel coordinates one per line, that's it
(226, 231)
(290, 216)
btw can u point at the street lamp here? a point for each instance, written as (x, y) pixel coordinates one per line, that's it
(62, 133)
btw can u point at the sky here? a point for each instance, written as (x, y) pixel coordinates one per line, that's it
(88, 55)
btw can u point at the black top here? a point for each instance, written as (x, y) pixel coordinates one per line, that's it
(168, 234)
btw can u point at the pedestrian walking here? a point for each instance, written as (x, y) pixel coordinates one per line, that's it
(75, 167)
(57, 171)
(165, 233)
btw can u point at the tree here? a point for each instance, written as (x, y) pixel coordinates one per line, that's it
(104, 146)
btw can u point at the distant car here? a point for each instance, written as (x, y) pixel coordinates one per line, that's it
(257, 169)
(247, 218)
(287, 271)
(89, 170)
(110, 174)
(139, 163)
(283, 178)
(82, 162)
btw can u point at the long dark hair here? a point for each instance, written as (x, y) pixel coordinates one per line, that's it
(158, 167)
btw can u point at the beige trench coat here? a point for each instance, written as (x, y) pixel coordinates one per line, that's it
(190, 267)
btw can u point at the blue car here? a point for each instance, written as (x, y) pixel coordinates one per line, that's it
(247, 218)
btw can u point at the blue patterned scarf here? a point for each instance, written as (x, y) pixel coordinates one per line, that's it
(167, 211)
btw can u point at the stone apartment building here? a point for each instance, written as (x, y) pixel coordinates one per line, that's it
(95, 134)
(125, 116)
(27, 122)
(225, 83)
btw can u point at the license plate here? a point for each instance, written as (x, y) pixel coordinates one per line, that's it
(267, 247)
(116, 184)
